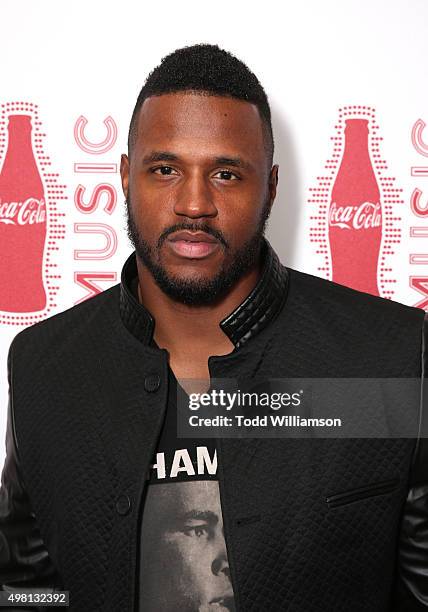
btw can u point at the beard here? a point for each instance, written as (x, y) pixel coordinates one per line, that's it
(199, 291)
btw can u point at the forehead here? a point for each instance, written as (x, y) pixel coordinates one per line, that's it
(177, 498)
(186, 121)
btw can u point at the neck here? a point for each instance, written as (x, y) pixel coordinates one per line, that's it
(177, 324)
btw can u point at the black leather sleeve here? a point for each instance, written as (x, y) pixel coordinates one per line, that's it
(24, 561)
(411, 589)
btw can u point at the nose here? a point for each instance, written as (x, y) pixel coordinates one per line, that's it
(220, 563)
(221, 566)
(194, 198)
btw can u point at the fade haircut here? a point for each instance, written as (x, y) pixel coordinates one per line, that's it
(209, 70)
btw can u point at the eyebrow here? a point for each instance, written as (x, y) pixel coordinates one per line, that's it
(157, 156)
(237, 162)
(201, 515)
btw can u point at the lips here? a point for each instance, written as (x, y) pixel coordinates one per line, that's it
(192, 245)
(192, 237)
(223, 603)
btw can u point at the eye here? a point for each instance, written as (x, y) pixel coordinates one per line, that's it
(226, 175)
(163, 170)
(196, 530)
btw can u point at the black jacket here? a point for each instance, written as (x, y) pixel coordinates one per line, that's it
(311, 525)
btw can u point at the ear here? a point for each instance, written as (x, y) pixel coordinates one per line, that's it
(124, 173)
(273, 183)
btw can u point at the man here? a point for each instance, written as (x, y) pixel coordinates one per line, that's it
(99, 494)
(184, 525)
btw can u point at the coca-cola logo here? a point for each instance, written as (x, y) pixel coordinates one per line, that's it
(28, 212)
(31, 219)
(365, 216)
(356, 208)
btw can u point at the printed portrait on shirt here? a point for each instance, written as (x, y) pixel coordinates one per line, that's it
(184, 563)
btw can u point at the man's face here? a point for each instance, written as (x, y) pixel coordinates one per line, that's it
(199, 163)
(184, 558)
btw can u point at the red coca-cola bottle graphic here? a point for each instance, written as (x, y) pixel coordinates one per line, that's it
(355, 215)
(22, 222)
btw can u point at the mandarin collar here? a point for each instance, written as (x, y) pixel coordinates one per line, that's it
(254, 313)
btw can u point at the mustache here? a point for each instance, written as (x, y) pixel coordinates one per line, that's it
(193, 227)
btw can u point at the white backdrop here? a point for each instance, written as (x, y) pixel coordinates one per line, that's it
(89, 59)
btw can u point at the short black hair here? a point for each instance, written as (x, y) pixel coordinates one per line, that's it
(211, 70)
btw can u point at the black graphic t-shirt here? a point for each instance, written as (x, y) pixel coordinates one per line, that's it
(183, 565)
